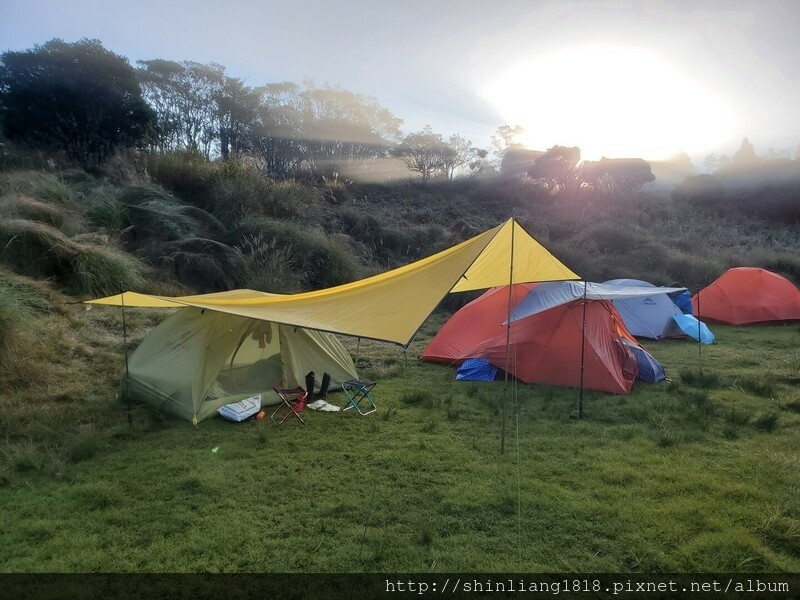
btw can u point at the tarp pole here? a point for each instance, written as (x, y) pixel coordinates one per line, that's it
(583, 350)
(508, 338)
(125, 350)
(699, 332)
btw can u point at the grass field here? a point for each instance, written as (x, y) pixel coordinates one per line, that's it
(700, 474)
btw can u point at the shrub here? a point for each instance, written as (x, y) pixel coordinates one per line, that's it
(186, 174)
(336, 189)
(239, 190)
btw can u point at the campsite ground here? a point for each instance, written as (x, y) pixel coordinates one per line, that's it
(699, 474)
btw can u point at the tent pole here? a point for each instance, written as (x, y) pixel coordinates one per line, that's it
(358, 349)
(508, 337)
(583, 351)
(125, 350)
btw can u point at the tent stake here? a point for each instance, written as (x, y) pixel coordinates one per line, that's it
(583, 350)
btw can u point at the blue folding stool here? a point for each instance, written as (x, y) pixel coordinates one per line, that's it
(359, 394)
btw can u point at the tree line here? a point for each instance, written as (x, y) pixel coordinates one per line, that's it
(86, 101)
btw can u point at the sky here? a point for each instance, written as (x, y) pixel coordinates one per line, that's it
(617, 78)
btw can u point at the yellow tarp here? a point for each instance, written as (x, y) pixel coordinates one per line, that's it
(393, 305)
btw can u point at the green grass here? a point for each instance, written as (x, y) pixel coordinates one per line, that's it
(698, 474)
(650, 482)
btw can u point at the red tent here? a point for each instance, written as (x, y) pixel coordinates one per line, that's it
(745, 295)
(544, 347)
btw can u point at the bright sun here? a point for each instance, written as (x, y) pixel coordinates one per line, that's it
(610, 101)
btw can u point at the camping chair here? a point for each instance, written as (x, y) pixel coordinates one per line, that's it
(358, 395)
(293, 401)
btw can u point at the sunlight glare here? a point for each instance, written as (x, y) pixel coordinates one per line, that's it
(610, 101)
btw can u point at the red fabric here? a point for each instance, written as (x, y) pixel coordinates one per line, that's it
(543, 348)
(474, 323)
(300, 404)
(745, 295)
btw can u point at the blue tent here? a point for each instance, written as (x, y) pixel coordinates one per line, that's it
(476, 369)
(683, 300)
(694, 328)
(649, 316)
(650, 370)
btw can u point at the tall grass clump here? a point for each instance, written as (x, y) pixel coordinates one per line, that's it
(105, 212)
(322, 260)
(187, 174)
(239, 189)
(269, 268)
(152, 214)
(38, 250)
(30, 209)
(759, 385)
(700, 379)
(18, 303)
(45, 186)
(98, 271)
(34, 249)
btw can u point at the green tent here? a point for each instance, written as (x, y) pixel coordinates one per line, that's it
(198, 360)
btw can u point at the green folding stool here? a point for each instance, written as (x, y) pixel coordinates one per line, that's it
(359, 396)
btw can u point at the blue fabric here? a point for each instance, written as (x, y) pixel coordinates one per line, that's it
(476, 369)
(683, 301)
(691, 326)
(650, 370)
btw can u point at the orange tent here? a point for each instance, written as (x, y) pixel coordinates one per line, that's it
(544, 347)
(745, 295)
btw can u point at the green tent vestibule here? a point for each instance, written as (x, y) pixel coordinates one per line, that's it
(198, 360)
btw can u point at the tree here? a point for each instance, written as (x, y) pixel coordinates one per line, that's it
(625, 175)
(457, 152)
(79, 98)
(237, 113)
(506, 138)
(322, 130)
(558, 167)
(274, 137)
(423, 152)
(746, 155)
(186, 98)
(342, 131)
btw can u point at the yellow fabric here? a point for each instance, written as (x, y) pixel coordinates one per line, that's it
(390, 306)
(531, 263)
